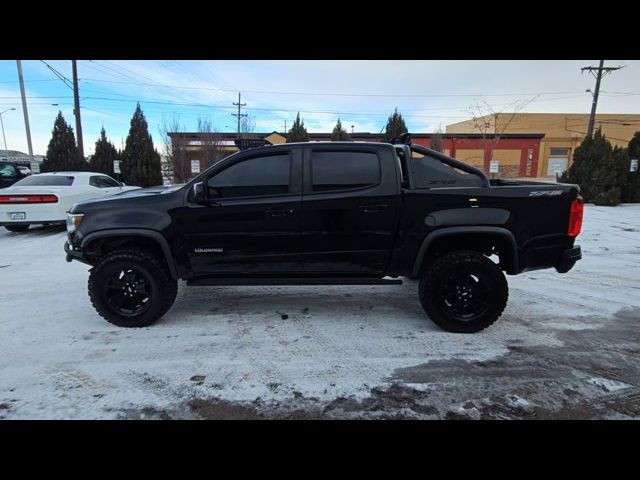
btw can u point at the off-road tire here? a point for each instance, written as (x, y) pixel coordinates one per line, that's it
(163, 287)
(17, 228)
(463, 262)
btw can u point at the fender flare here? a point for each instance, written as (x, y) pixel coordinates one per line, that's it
(136, 232)
(511, 262)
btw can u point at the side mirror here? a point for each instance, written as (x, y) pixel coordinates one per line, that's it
(122, 184)
(197, 193)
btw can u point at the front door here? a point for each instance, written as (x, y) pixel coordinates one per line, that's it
(250, 221)
(349, 208)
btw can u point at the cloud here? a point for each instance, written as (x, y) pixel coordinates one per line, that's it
(427, 93)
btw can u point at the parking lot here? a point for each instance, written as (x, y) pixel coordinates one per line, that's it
(567, 346)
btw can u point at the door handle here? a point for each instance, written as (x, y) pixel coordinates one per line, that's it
(372, 208)
(280, 213)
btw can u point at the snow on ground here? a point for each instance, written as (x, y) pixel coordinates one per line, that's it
(282, 345)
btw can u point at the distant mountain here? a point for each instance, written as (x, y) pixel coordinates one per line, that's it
(16, 154)
(12, 153)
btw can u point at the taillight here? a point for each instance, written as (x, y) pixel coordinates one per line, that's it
(575, 217)
(28, 199)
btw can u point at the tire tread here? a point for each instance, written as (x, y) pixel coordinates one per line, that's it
(168, 287)
(446, 262)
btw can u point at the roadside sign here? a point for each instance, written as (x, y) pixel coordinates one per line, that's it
(634, 165)
(34, 166)
(195, 166)
(116, 166)
(494, 166)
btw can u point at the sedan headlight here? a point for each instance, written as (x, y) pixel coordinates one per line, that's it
(73, 221)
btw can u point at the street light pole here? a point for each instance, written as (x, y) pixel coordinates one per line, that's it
(2, 123)
(24, 110)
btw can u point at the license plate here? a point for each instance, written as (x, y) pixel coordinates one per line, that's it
(17, 215)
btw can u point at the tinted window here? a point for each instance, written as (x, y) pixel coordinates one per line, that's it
(8, 171)
(45, 181)
(344, 170)
(432, 173)
(103, 181)
(267, 175)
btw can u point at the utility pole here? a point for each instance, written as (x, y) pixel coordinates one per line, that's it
(600, 71)
(239, 105)
(24, 110)
(2, 124)
(76, 108)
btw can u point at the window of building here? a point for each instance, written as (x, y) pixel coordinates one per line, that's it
(559, 152)
(345, 170)
(265, 175)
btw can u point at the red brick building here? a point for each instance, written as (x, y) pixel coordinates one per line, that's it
(518, 154)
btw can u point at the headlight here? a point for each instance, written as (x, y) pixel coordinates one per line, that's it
(73, 221)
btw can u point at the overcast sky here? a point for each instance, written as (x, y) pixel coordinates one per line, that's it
(429, 94)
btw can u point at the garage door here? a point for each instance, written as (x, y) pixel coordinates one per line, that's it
(558, 161)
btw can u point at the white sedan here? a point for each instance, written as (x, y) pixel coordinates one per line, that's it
(45, 198)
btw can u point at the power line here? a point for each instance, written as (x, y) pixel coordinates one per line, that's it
(31, 80)
(337, 94)
(264, 109)
(64, 79)
(40, 96)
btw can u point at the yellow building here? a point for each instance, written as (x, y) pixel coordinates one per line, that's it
(563, 132)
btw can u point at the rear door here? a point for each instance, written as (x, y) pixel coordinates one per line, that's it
(250, 223)
(350, 208)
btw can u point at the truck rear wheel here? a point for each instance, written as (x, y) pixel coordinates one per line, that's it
(463, 291)
(131, 288)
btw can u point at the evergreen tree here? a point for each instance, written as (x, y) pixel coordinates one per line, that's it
(339, 134)
(596, 170)
(298, 132)
(631, 185)
(395, 127)
(140, 162)
(62, 152)
(104, 155)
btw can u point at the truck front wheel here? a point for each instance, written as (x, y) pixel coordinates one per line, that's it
(463, 291)
(131, 288)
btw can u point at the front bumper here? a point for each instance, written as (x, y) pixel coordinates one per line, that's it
(74, 253)
(568, 259)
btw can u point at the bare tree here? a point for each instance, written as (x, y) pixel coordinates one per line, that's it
(436, 140)
(247, 125)
(494, 124)
(488, 122)
(211, 147)
(176, 167)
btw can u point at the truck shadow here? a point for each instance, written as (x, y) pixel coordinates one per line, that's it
(330, 303)
(36, 231)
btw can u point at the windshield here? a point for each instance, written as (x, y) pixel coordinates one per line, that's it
(45, 181)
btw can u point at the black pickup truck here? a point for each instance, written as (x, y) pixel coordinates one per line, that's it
(327, 213)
